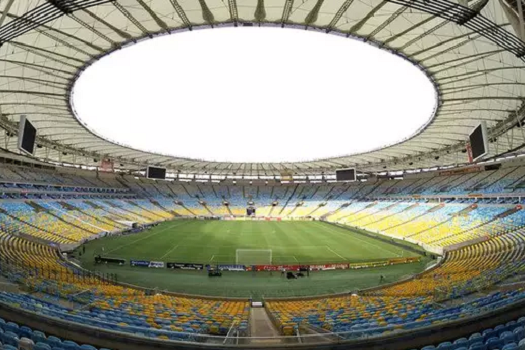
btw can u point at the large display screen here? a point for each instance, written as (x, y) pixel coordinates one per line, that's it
(478, 141)
(26, 136)
(156, 173)
(345, 175)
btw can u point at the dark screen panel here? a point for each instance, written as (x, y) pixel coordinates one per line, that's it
(156, 173)
(345, 175)
(478, 142)
(26, 136)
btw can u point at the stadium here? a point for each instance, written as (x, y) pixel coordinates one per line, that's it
(262, 174)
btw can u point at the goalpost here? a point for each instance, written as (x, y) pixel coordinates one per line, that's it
(253, 257)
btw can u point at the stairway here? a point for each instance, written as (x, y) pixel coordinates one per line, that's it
(327, 215)
(208, 209)
(395, 213)
(146, 210)
(271, 210)
(358, 211)
(101, 219)
(433, 209)
(315, 209)
(172, 212)
(188, 209)
(39, 208)
(289, 198)
(21, 232)
(294, 209)
(262, 326)
(126, 211)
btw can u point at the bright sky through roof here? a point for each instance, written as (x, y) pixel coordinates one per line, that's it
(253, 95)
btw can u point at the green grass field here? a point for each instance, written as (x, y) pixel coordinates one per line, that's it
(215, 242)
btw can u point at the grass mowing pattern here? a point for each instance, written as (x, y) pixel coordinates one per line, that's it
(214, 242)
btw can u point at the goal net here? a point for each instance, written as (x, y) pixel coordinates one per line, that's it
(253, 257)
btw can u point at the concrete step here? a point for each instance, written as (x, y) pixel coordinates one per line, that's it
(262, 326)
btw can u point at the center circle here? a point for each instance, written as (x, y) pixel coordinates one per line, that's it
(253, 94)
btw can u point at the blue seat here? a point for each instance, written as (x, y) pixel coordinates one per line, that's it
(489, 333)
(87, 347)
(477, 346)
(493, 343)
(9, 347)
(70, 345)
(38, 337)
(54, 342)
(475, 338)
(511, 323)
(461, 342)
(429, 347)
(510, 346)
(10, 338)
(519, 333)
(10, 326)
(507, 337)
(25, 332)
(41, 346)
(500, 328)
(445, 346)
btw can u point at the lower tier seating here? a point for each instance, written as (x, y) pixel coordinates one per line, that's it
(412, 303)
(14, 337)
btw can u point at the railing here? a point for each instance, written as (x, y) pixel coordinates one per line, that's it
(232, 337)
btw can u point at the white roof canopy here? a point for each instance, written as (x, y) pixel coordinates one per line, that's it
(471, 54)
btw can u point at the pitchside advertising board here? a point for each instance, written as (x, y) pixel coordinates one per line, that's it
(236, 267)
(184, 266)
(232, 267)
(145, 263)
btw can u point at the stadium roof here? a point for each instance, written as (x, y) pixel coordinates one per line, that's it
(470, 52)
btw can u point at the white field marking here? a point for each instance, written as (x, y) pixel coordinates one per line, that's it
(215, 255)
(172, 249)
(330, 249)
(295, 258)
(178, 245)
(141, 239)
(276, 247)
(372, 244)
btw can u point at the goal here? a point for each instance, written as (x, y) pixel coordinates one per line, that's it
(253, 257)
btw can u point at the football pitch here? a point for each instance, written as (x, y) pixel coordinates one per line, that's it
(216, 242)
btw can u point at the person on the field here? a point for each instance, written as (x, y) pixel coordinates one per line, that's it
(283, 272)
